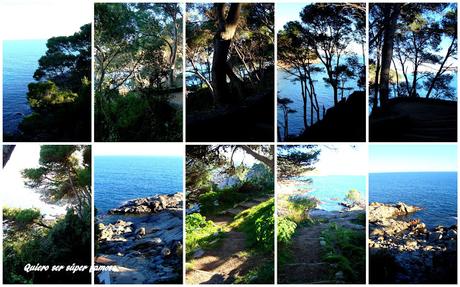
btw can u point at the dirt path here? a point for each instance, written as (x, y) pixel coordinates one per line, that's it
(307, 265)
(230, 259)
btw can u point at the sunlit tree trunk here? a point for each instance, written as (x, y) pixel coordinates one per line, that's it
(222, 41)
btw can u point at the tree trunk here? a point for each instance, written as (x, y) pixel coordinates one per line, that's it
(222, 40)
(392, 12)
(268, 161)
(376, 80)
(440, 70)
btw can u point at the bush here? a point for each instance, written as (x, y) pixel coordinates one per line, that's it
(353, 196)
(286, 229)
(298, 206)
(258, 222)
(68, 241)
(200, 233)
(346, 250)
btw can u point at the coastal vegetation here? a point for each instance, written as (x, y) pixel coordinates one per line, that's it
(320, 50)
(316, 245)
(229, 71)
(32, 238)
(413, 52)
(230, 214)
(60, 98)
(138, 79)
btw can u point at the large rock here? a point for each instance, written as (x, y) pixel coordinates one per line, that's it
(153, 204)
(381, 211)
(226, 181)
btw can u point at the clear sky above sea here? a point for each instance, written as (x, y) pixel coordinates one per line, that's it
(411, 157)
(42, 19)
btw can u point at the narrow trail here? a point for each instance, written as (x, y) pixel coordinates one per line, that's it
(230, 258)
(307, 265)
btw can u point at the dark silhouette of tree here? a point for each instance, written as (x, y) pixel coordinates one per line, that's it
(293, 160)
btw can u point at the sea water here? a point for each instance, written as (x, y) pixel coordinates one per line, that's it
(20, 60)
(331, 190)
(118, 179)
(434, 192)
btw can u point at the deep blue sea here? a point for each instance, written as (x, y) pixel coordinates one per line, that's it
(118, 179)
(20, 60)
(435, 192)
(330, 190)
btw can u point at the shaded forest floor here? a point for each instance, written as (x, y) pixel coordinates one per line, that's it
(230, 259)
(345, 121)
(251, 120)
(412, 120)
(306, 262)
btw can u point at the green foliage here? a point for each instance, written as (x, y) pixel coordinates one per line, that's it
(22, 217)
(44, 95)
(137, 116)
(61, 177)
(258, 222)
(263, 274)
(61, 101)
(293, 160)
(286, 229)
(136, 71)
(296, 208)
(346, 250)
(67, 242)
(215, 200)
(200, 233)
(353, 196)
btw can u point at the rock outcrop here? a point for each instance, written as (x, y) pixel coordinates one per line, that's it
(416, 253)
(153, 204)
(144, 243)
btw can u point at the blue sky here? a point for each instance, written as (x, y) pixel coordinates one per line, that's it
(286, 12)
(410, 157)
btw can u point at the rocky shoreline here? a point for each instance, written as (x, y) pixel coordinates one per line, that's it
(143, 240)
(408, 250)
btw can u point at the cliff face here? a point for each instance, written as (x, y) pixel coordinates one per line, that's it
(344, 122)
(414, 119)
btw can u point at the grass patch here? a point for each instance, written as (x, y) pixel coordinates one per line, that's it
(258, 222)
(345, 249)
(200, 233)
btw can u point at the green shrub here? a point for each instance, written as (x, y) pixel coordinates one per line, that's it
(286, 229)
(258, 222)
(200, 233)
(353, 196)
(346, 250)
(297, 208)
(263, 274)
